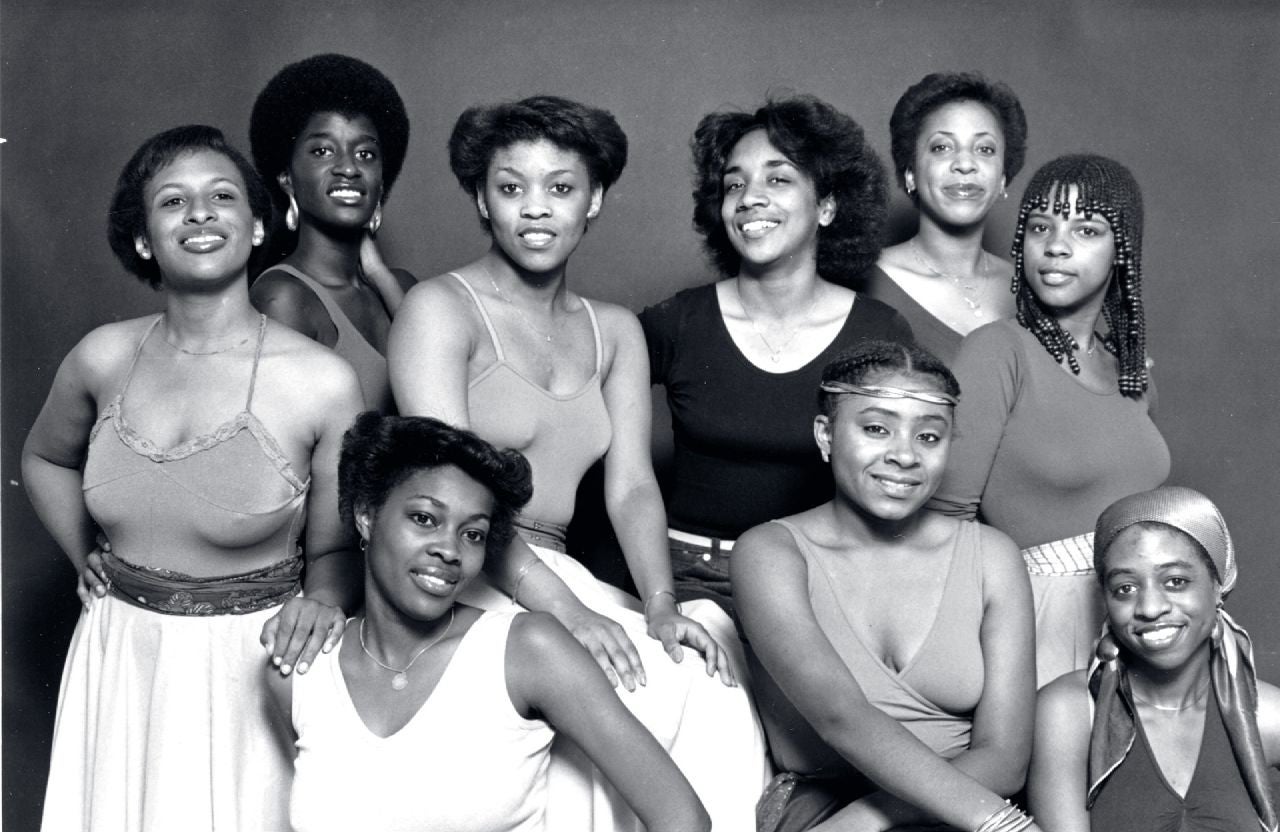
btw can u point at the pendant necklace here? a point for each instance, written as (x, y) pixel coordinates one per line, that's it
(401, 678)
(519, 311)
(969, 291)
(775, 355)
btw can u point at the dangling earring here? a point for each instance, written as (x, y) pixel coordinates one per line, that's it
(375, 222)
(364, 544)
(909, 182)
(826, 456)
(291, 216)
(1107, 650)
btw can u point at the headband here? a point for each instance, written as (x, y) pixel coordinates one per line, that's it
(888, 392)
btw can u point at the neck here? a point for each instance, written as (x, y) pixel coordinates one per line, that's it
(531, 288)
(779, 293)
(201, 317)
(395, 637)
(330, 259)
(950, 250)
(1172, 689)
(856, 524)
(1080, 324)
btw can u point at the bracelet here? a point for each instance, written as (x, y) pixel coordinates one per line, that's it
(652, 597)
(1008, 818)
(524, 570)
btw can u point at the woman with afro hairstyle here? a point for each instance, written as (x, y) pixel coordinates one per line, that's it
(1055, 423)
(187, 463)
(791, 202)
(504, 347)
(329, 135)
(958, 139)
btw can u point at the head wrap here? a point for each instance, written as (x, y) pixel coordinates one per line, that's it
(1231, 669)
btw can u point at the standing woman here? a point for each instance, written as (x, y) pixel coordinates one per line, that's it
(1056, 422)
(1170, 729)
(958, 140)
(200, 443)
(329, 135)
(504, 346)
(791, 202)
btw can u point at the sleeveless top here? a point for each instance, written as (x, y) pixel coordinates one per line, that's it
(218, 504)
(948, 666)
(1137, 798)
(369, 364)
(466, 762)
(562, 436)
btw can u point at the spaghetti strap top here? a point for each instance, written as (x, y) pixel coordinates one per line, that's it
(221, 503)
(561, 435)
(369, 364)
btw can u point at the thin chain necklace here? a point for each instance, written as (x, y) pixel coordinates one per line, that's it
(1201, 696)
(775, 354)
(519, 311)
(969, 292)
(401, 678)
(218, 351)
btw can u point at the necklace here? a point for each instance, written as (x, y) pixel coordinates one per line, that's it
(1201, 696)
(401, 679)
(775, 354)
(519, 311)
(218, 351)
(969, 291)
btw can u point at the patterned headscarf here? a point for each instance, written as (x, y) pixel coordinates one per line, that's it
(1231, 669)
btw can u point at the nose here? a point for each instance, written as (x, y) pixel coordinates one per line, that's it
(1152, 603)
(344, 164)
(534, 206)
(751, 196)
(1057, 243)
(200, 210)
(444, 546)
(902, 451)
(963, 162)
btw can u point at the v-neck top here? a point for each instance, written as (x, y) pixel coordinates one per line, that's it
(465, 762)
(222, 503)
(561, 435)
(931, 333)
(1138, 798)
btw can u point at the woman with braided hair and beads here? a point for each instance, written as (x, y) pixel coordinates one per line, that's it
(1170, 728)
(1056, 418)
(911, 701)
(329, 135)
(958, 140)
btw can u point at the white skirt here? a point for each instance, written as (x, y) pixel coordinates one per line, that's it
(710, 731)
(164, 724)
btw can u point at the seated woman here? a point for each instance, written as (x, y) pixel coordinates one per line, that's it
(791, 202)
(894, 645)
(440, 715)
(505, 346)
(958, 140)
(1170, 729)
(329, 135)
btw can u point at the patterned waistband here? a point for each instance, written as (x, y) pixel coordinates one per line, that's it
(542, 533)
(1069, 556)
(175, 593)
(715, 545)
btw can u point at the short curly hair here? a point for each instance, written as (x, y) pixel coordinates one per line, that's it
(941, 88)
(831, 150)
(379, 452)
(481, 131)
(858, 364)
(127, 216)
(325, 84)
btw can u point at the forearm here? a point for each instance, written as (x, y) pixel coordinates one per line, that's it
(520, 573)
(640, 522)
(57, 495)
(335, 578)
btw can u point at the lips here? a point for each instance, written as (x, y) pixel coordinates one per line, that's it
(434, 580)
(537, 237)
(965, 190)
(757, 228)
(1055, 277)
(1159, 636)
(203, 242)
(346, 193)
(896, 485)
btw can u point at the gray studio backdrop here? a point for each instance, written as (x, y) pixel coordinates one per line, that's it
(1180, 91)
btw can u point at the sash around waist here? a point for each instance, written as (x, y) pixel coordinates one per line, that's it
(176, 593)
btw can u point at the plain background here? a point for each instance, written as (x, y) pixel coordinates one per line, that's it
(1181, 91)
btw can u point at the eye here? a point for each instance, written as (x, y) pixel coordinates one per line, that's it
(424, 519)
(561, 189)
(875, 430)
(321, 151)
(1177, 582)
(366, 155)
(929, 437)
(779, 180)
(224, 196)
(171, 202)
(1037, 227)
(509, 188)
(1122, 590)
(732, 186)
(474, 536)
(1090, 231)
(939, 147)
(987, 150)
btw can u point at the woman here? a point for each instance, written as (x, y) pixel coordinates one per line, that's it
(1056, 412)
(503, 346)
(199, 442)
(1170, 729)
(958, 140)
(434, 691)
(329, 136)
(911, 701)
(791, 201)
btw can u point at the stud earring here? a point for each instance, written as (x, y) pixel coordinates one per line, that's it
(291, 216)
(375, 222)
(364, 544)
(826, 456)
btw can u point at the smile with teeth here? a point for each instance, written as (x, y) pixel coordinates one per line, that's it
(203, 242)
(346, 193)
(896, 485)
(966, 191)
(537, 238)
(1160, 636)
(757, 228)
(433, 581)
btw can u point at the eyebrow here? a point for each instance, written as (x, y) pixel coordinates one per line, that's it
(218, 181)
(952, 133)
(1171, 564)
(772, 163)
(325, 134)
(523, 175)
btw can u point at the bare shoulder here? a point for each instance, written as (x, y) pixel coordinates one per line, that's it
(537, 636)
(103, 356)
(1000, 555)
(617, 323)
(278, 287)
(294, 362)
(1065, 701)
(764, 547)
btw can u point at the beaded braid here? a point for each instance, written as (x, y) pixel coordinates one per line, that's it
(1106, 188)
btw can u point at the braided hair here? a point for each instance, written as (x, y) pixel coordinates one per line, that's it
(872, 358)
(1107, 188)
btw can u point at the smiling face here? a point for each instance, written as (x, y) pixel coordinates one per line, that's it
(426, 542)
(537, 197)
(1068, 260)
(199, 223)
(1161, 598)
(887, 454)
(771, 210)
(335, 172)
(959, 163)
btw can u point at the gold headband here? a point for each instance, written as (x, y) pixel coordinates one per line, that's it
(888, 393)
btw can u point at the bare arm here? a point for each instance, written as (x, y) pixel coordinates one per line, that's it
(632, 497)
(1057, 786)
(550, 675)
(284, 298)
(390, 284)
(771, 587)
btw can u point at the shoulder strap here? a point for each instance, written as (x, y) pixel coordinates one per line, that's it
(257, 354)
(595, 331)
(137, 351)
(484, 316)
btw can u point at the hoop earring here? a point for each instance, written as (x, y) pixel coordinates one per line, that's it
(291, 216)
(1107, 650)
(364, 544)
(375, 222)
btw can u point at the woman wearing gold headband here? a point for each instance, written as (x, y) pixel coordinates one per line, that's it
(910, 702)
(1170, 728)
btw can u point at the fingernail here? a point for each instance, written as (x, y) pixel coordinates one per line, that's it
(327, 648)
(303, 667)
(285, 670)
(276, 661)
